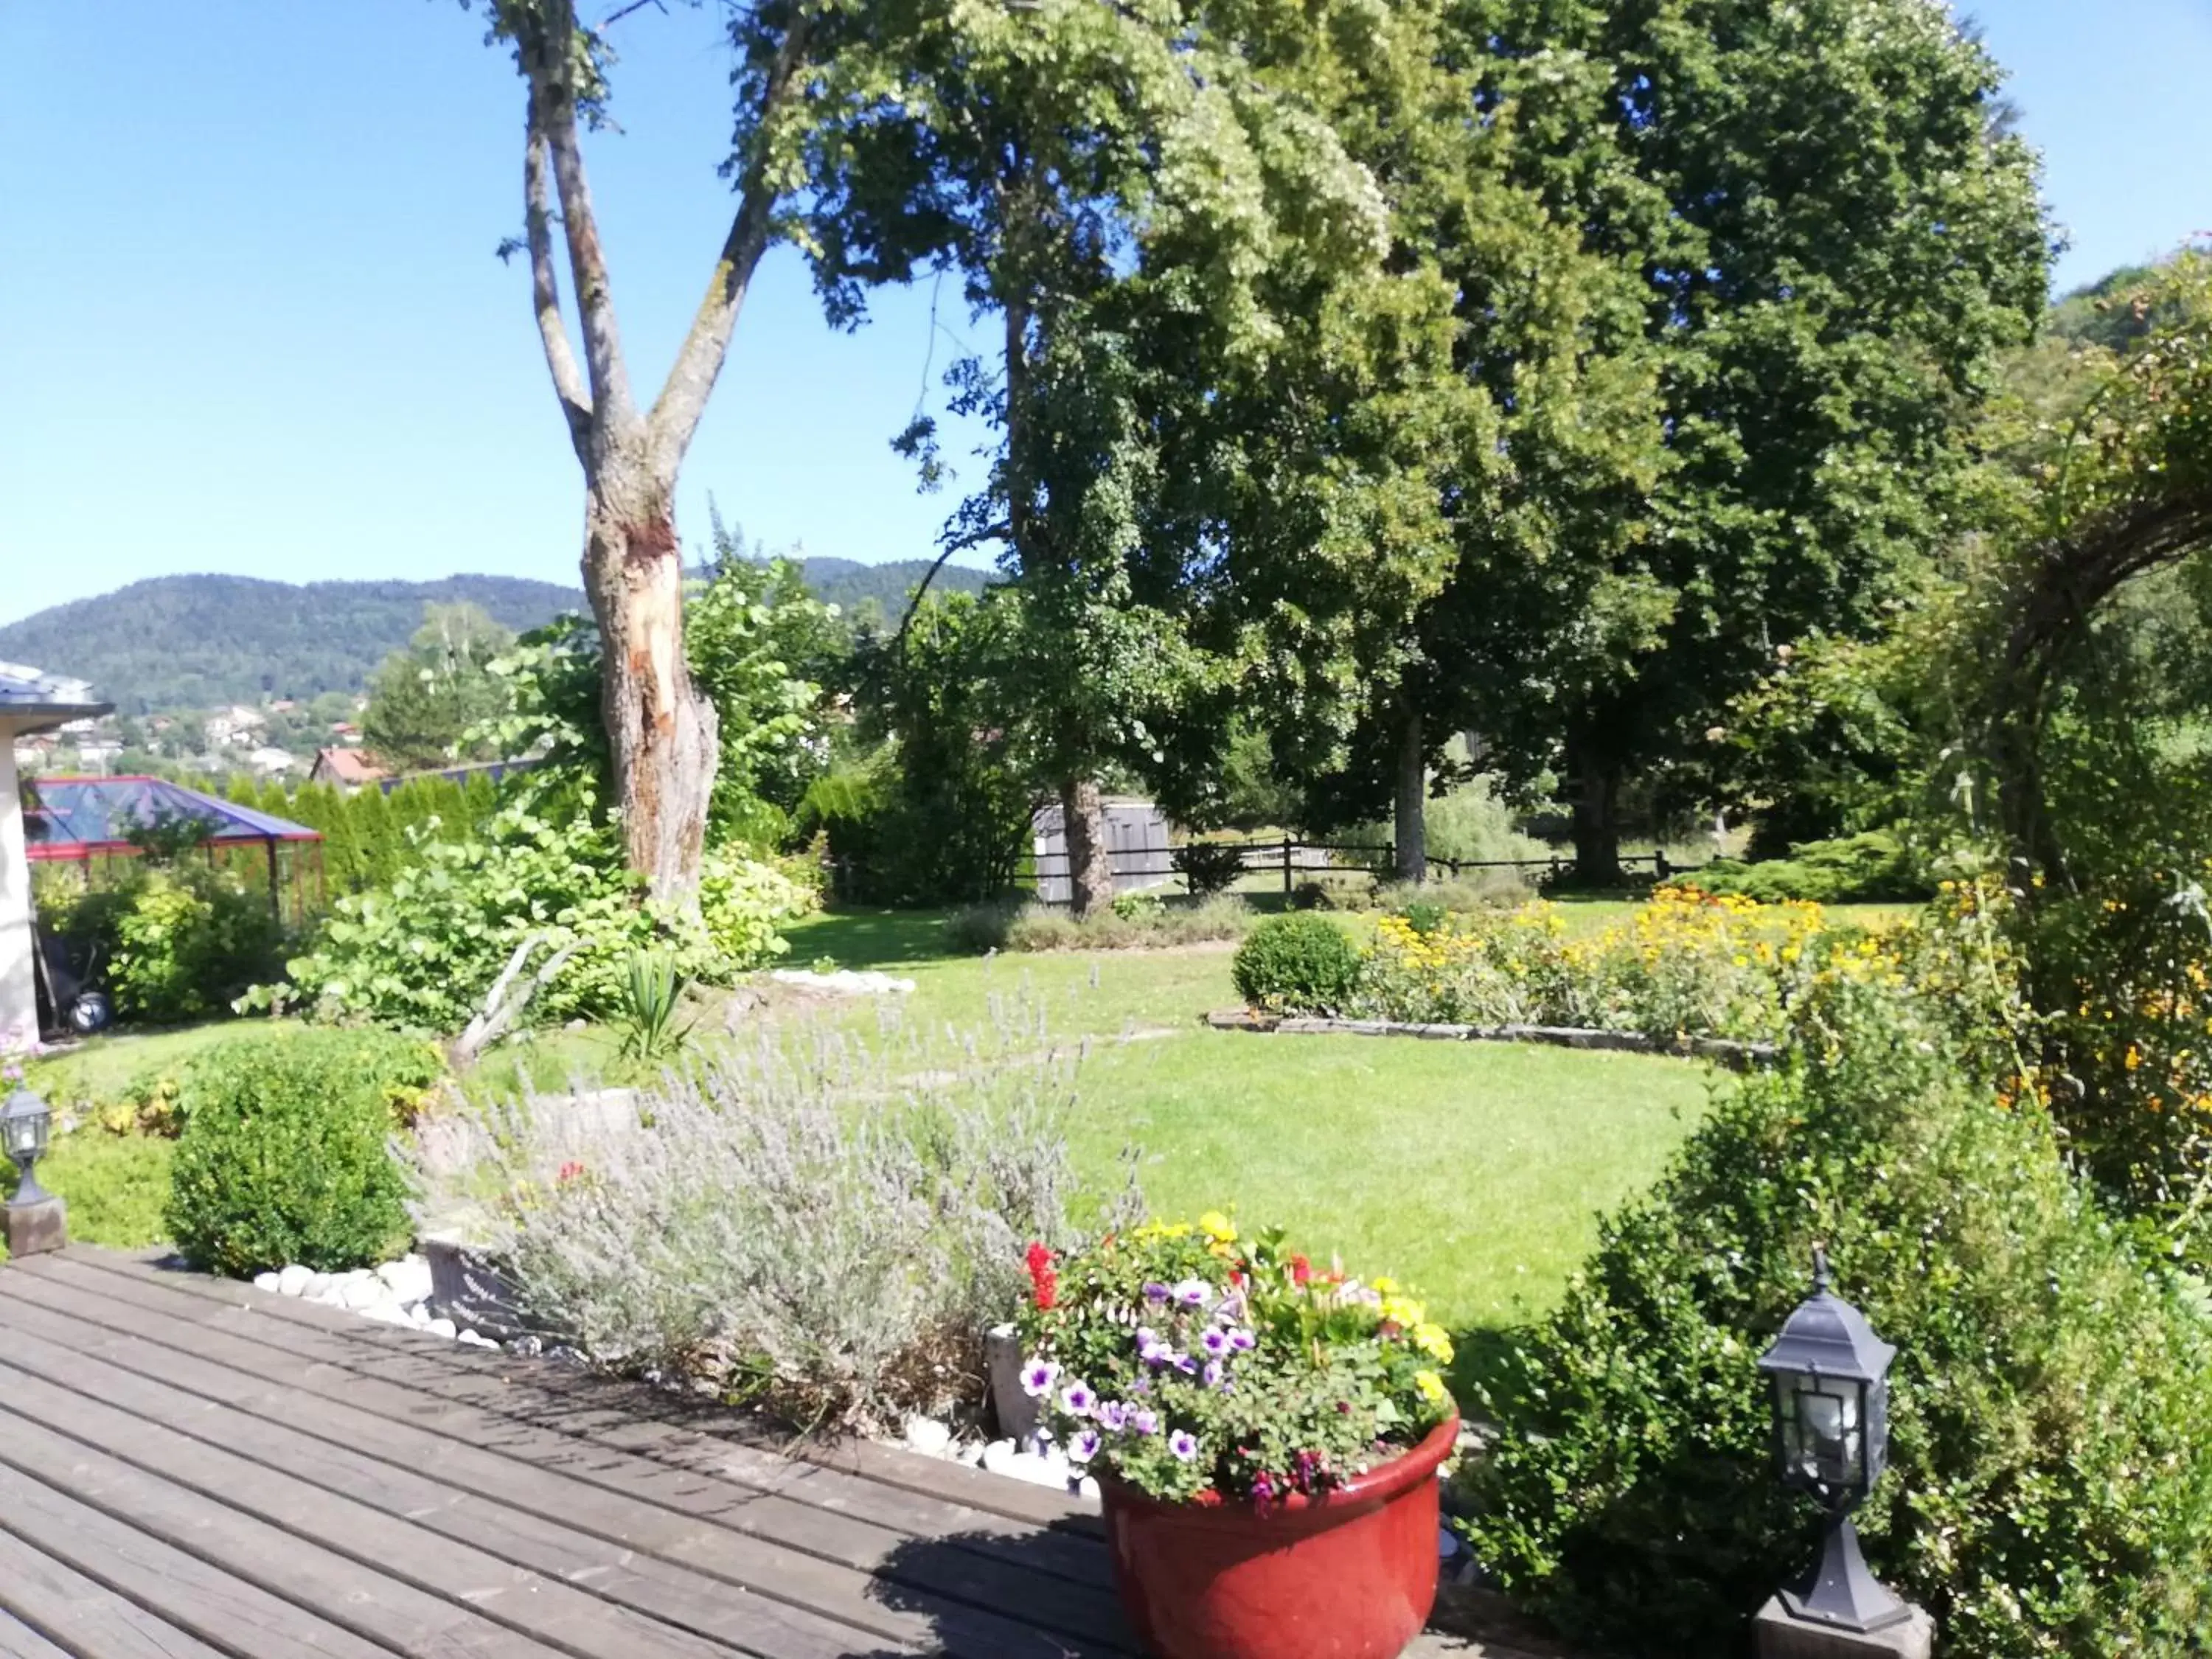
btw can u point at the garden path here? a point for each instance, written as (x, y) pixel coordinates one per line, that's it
(190, 1467)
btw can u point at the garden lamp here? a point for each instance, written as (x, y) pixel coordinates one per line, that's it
(24, 1126)
(1830, 1374)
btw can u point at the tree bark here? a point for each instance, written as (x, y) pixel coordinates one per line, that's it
(1089, 868)
(662, 733)
(1597, 822)
(1409, 822)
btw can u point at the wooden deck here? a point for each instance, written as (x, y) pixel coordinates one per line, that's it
(190, 1467)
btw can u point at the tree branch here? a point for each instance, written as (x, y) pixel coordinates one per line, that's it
(683, 398)
(545, 288)
(995, 533)
(551, 69)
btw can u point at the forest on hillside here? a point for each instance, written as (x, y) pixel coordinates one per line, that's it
(202, 641)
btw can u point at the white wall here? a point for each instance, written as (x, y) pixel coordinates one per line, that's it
(19, 1009)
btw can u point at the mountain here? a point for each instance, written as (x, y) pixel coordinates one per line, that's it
(204, 641)
(851, 586)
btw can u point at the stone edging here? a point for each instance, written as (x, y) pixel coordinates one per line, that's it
(1739, 1056)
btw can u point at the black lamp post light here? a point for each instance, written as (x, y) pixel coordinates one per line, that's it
(37, 1220)
(1831, 1377)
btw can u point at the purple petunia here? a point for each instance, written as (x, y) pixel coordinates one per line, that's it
(1215, 1373)
(1084, 1447)
(1113, 1415)
(1155, 1352)
(1078, 1399)
(1215, 1343)
(1183, 1445)
(1193, 1293)
(1156, 1291)
(1186, 1365)
(1145, 1422)
(1242, 1341)
(1038, 1376)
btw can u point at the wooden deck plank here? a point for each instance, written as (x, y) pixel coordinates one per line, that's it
(80, 1611)
(191, 1468)
(207, 1608)
(486, 1609)
(927, 1498)
(18, 1641)
(910, 1568)
(880, 1465)
(643, 1584)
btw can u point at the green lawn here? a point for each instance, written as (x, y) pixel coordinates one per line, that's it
(1476, 1172)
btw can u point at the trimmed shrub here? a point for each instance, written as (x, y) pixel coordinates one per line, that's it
(2049, 1491)
(1300, 962)
(1874, 868)
(283, 1156)
(1210, 867)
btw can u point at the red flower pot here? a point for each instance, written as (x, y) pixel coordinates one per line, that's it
(1350, 1575)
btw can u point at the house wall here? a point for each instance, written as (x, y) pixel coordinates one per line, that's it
(19, 1008)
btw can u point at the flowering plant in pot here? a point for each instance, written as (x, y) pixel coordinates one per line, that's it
(1265, 1434)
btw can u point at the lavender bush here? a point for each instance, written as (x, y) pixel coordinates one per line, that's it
(819, 1224)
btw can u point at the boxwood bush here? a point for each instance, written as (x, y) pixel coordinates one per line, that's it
(1301, 962)
(2051, 1491)
(283, 1157)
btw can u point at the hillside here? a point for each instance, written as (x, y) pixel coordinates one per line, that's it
(202, 641)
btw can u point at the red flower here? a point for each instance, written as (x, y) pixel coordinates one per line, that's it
(1301, 1270)
(570, 1171)
(1044, 1281)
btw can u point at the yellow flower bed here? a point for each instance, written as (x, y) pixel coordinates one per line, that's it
(1688, 963)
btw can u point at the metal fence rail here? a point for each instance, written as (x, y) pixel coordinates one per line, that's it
(1145, 867)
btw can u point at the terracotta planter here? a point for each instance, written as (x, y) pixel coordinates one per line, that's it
(1351, 1574)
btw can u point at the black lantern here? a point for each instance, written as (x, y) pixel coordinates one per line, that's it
(1830, 1373)
(26, 1124)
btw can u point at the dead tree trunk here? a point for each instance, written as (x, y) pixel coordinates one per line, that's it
(662, 734)
(660, 731)
(1090, 865)
(1409, 821)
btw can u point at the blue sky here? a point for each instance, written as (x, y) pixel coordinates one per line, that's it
(253, 322)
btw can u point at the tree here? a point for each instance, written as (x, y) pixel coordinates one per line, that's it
(1124, 201)
(426, 700)
(661, 731)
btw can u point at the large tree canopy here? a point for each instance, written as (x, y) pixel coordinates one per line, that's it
(1834, 235)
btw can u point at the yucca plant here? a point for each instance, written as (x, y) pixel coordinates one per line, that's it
(652, 997)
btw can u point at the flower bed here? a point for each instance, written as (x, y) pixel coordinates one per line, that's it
(1686, 965)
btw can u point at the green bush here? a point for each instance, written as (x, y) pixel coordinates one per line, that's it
(1300, 962)
(1210, 867)
(283, 1156)
(422, 953)
(1872, 868)
(2048, 1492)
(169, 943)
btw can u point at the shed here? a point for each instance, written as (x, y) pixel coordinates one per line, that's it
(29, 701)
(1139, 843)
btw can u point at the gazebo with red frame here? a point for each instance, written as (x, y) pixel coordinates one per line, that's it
(79, 820)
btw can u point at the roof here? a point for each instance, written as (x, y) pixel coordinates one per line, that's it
(346, 765)
(76, 816)
(31, 701)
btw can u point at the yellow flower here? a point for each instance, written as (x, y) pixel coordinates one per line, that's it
(1402, 1311)
(1386, 1286)
(1432, 1388)
(1431, 1340)
(1218, 1227)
